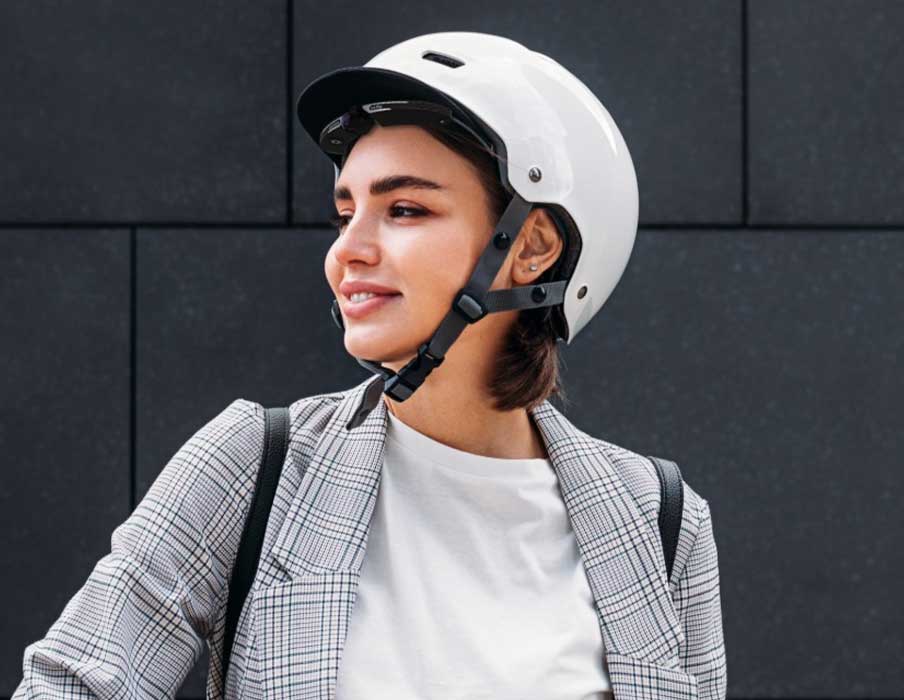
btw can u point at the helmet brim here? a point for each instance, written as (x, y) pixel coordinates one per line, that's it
(334, 93)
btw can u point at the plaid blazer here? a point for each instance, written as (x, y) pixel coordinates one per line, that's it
(139, 623)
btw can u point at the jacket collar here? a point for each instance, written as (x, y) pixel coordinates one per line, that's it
(620, 549)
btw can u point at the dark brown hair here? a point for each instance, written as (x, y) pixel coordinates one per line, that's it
(527, 369)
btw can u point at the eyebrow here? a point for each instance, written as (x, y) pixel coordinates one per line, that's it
(389, 183)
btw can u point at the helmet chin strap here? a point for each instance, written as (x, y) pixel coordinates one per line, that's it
(472, 303)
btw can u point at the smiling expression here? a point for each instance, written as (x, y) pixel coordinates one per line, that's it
(413, 217)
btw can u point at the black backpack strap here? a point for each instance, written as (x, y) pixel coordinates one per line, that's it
(276, 441)
(671, 508)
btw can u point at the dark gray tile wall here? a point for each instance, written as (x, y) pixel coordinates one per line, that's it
(161, 251)
(826, 91)
(134, 111)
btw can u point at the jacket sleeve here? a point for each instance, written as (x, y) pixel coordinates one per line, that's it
(139, 623)
(699, 606)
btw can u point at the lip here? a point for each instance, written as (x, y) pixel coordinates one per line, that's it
(349, 287)
(356, 310)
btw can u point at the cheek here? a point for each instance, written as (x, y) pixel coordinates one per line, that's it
(331, 269)
(435, 266)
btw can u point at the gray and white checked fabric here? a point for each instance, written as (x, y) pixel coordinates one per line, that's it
(140, 622)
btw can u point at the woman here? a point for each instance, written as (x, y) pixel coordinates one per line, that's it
(441, 530)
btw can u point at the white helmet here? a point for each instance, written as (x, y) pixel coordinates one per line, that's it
(555, 144)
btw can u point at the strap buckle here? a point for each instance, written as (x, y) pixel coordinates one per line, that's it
(403, 384)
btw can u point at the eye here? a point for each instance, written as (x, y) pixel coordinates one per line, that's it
(340, 222)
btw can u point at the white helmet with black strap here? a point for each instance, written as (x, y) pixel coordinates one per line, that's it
(555, 145)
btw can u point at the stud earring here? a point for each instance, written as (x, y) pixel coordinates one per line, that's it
(533, 266)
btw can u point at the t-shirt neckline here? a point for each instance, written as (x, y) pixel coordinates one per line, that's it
(425, 447)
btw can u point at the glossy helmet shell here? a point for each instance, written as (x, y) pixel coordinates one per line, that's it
(540, 117)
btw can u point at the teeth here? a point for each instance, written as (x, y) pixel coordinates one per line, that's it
(361, 296)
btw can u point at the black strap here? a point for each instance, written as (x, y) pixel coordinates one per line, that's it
(671, 508)
(276, 441)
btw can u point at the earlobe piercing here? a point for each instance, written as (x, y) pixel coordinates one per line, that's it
(533, 266)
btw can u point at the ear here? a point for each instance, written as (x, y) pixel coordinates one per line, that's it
(539, 244)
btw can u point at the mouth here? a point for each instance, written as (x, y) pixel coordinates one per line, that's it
(366, 305)
(370, 295)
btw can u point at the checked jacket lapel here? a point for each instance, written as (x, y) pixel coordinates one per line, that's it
(302, 621)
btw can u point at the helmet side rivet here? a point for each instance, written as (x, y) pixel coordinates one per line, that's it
(534, 174)
(582, 292)
(501, 240)
(539, 294)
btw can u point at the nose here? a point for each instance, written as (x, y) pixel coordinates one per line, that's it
(357, 242)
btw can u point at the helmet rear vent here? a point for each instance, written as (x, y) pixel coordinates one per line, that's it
(450, 61)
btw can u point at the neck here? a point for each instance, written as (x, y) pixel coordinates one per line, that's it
(455, 411)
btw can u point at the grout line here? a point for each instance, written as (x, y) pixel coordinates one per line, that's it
(745, 147)
(133, 316)
(771, 226)
(145, 224)
(290, 121)
(677, 225)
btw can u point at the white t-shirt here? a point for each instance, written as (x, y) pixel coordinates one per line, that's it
(472, 584)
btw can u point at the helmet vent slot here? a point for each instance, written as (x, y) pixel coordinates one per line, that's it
(450, 61)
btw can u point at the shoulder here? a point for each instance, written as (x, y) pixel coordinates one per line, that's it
(227, 445)
(639, 474)
(198, 499)
(308, 417)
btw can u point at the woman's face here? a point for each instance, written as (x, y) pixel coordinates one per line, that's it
(422, 242)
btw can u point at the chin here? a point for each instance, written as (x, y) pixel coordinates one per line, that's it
(377, 345)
